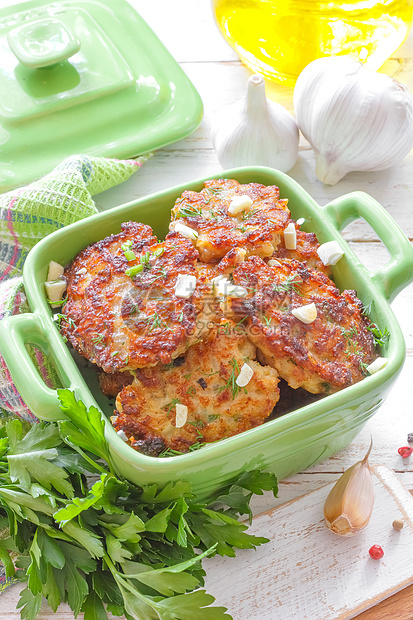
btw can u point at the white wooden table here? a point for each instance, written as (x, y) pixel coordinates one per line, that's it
(187, 29)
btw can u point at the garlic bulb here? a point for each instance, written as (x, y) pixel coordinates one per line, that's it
(354, 118)
(349, 505)
(256, 132)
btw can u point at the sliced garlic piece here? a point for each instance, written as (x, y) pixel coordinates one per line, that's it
(240, 255)
(221, 285)
(122, 435)
(235, 291)
(238, 204)
(215, 282)
(378, 364)
(185, 285)
(181, 415)
(81, 271)
(55, 290)
(185, 231)
(290, 237)
(274, 263)
(55, 270)
(306, 314)
(330, 252)
(245, 375)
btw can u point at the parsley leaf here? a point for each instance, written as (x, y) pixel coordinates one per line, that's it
(104, 542)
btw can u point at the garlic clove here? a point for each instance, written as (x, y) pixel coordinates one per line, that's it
(245, 375)
(349, 505)
(256, 132)
(185, 231)
(290, 237)
(55, 291)
(185, 285)
(181, 415)
(239, 204)
(306, 314)
(54, 271)
(330, 252)
(378, 364)
(354, 118)
(122, 435)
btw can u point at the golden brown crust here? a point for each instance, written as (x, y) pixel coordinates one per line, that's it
(112, 384)
(324, 356)
(205, 383)
(122, 322)
(305, 252)
(157, 349)
(257, 230)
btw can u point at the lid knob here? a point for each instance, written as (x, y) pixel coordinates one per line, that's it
(42, 42)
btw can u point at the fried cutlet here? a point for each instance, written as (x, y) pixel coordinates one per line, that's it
(123, 322)
(323, 356)
(258, 229)
(205, 382)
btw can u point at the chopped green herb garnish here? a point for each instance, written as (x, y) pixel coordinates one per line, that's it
(144, 259)
(155, 322)
(266, 320)
(55, 304)
(98, 338)
(157, 253)
(231, 383)
(191, 390)
(60, 318)
(189, 211)
(133, 271)
(211, 191)
(213, 416)
(129, 254)
(381, 337)
(246, 215)
(171, 405)
(134, 308)
(198, 423)
(367, 308)
(290, 285)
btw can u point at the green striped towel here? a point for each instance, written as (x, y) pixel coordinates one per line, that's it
(30, 213)
(27, 215)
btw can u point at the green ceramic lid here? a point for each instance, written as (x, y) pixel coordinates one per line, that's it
(85, 76)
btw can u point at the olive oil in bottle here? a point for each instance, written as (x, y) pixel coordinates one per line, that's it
(278, 38)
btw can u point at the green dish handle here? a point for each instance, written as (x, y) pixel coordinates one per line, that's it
(15, 333)
(398, 272)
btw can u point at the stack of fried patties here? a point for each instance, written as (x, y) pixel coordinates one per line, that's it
(192, 334)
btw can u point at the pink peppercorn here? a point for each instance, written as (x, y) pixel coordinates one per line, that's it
(376, 552)
(405, 451)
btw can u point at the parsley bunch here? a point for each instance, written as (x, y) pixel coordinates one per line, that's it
(100, 543)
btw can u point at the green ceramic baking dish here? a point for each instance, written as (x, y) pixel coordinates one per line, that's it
(284, 445)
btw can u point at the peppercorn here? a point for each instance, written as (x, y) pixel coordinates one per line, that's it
(398, 524)
(405, 451)
(376, 552)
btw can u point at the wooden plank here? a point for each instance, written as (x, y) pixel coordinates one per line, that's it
(307, 571)
(397, 607)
